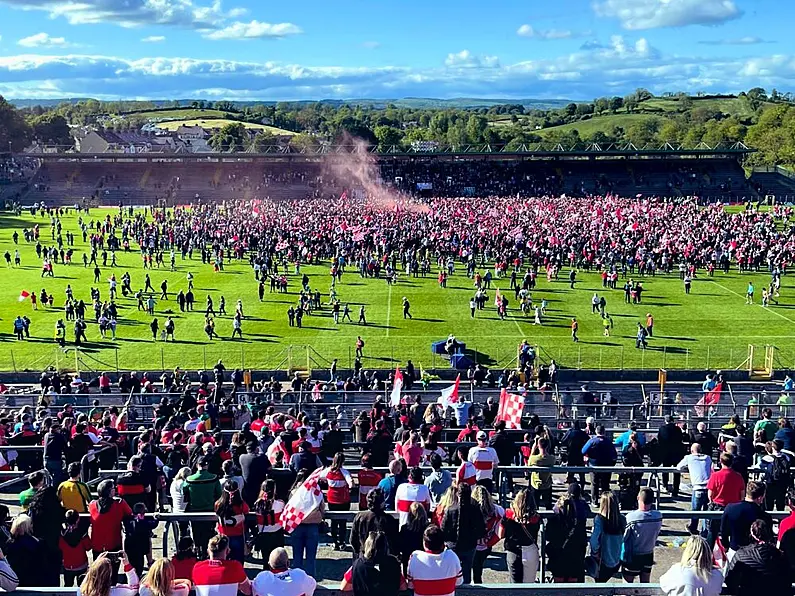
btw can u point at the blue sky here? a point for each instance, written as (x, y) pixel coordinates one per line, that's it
(262, 50)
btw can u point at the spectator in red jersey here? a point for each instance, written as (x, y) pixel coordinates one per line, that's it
(74, 544)
(469, 432)
(268, 508)
(218, 576)
(368, 479)
(338, 497)
(107, 515)
(184, 560)
(231, 510)
(724, 487)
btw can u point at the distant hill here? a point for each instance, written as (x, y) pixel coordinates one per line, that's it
(408, 102)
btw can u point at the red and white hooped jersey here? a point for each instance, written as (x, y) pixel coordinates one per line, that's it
(430, 574)
(466, 473)
(368, 480)
(485, 460)
(408, 493)
(218, 578)
(339, 485)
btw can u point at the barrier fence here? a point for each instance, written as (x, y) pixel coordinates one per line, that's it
(496, 352)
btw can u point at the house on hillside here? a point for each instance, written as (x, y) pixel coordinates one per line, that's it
(107, 141)
(191, 133)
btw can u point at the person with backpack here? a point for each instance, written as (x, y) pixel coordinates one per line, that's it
(778, 476)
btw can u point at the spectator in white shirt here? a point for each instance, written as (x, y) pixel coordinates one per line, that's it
(281, 580)
(695, 574)
(699, 468)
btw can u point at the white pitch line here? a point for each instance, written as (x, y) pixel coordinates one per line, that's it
(388, 308)
(770, 310)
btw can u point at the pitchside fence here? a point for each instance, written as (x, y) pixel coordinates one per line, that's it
(256, 353)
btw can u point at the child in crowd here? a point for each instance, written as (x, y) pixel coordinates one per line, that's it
(138, 538)
(185, 559)
(74, 544)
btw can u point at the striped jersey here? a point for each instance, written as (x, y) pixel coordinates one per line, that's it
(408, 493)
(368, 480)
(485, 460)
(430, 574)
(339, 486)
(218, 578)
(466, 473)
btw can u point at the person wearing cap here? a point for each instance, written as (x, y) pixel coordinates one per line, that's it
(201, 490)
(485, 461)
(406, 308)
(305, 459)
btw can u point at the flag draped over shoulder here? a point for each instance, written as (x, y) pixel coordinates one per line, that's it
(510, 411)
(23, 295)
(397, 387)
(711, 398)
(449, 395)
(306, 499)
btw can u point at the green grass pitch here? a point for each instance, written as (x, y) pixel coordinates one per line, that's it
(710, 328)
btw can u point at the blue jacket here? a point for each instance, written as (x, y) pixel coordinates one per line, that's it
(600, 452)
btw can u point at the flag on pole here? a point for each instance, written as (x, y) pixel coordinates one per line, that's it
(397, 386)
(711, 398)
(306, 499)
(23, 295)
(449, 395)
(510, 410)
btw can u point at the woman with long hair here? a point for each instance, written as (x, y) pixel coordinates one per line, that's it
(449, 499)
(270, 534)
(410, 535)
(519, 528)
(338, 496)
(695, 574)
(492, 515)
(178, 504)
(161, 580)
(566, 543)
(376, 571)
(231, 511)
(101, 576)
(108, 513)
(463, 527)
(607, 537)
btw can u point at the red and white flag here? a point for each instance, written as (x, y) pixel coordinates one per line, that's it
(449, 395)
(23, 295)
(397, 386)
(274, 448)
(304, 501)
(711, 398)
(498, 299)
(510, 411)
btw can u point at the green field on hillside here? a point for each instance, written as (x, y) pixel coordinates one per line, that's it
(212, 123)
(181, 114)
(710, 328)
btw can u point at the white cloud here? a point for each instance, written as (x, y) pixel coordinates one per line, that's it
(545, 34)
(617, 67)
(254, 30)
(654, 14)
(154, 39)
(465, 59)
(741, 41)
(43, 40)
